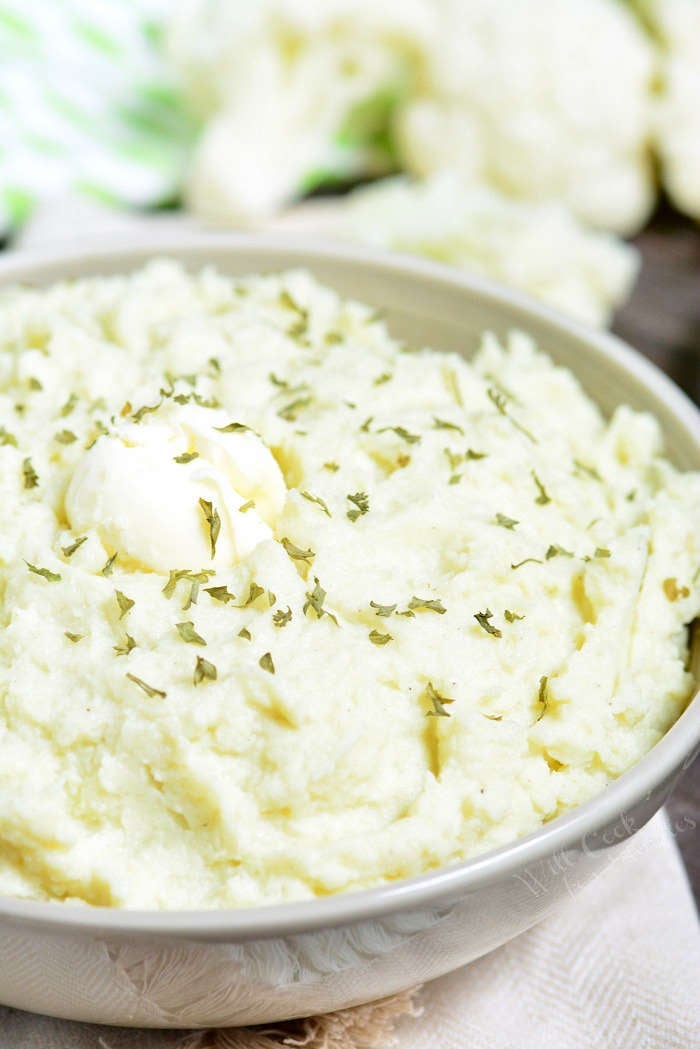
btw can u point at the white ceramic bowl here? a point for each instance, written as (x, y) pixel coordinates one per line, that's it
(190, 969)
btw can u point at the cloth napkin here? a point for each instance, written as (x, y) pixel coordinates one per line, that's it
(89, 105)
(616, 967)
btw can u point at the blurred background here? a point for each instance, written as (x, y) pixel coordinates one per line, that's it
(552, 146)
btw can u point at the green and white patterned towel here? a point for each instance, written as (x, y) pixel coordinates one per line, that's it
(87, 105)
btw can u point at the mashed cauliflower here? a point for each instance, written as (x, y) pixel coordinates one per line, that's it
(541, 248)
(459, 609)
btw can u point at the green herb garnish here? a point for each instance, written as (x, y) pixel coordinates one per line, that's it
(506, 522)
(176, 574)
(245, 633)
(527, 560)
(377, 638)
(281, 618)
(333, 467)
(402, 432)
(499, 402)
(366, 424)
(483, 619)
(442, 424)
(188, 633)
(542, 497)
(125, 603)
(128, 646)
(234, 428)
(65, 437)
(317, 500)
(315, 599)
(426, 604)
(69, 406)
(471, 454)
(74, 637)
(204, 671)
(245, 507)
(301, 324)
(555, 550)
(186, 457)
(542, 698)
(68, 551)
(34, 383)
(211, 516)
(452, 383)
(145, 687)
(192, 596)
(296, 553)
(512, 617)
(361, 504)
(439, 702)
(107, 567)
(382, 610)
(7, 438)
(384, 377)
(601, 551)
(146, 409)
(266, 663)
(31, 477)
(50, 577)
(220, 593)
(589, 471)
(254, 592)
(289, 411)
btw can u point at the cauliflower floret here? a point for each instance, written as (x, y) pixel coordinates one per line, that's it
(676, 24)
(540, 248)
(293, 91)
(543, 100)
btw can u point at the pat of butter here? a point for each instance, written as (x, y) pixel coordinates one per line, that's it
(141, 502)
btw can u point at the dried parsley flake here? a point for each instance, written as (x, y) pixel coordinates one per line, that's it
(483, 619)
(188, 633)
(211, 516)
(204, 671)
(266, 663)
(542, 497)
(145, 687)
(45, 573)
(68, 551)
(360, 501)
(295, 552)
(31, 477)
(125, 603)
(220, 593)
(317, 500)
(65, 437)
(505, 521)
(281, 618)
(427, 604)
(377, 638)
(439, 702)
(314, 601)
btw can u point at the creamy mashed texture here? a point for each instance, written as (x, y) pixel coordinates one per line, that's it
(289, 608)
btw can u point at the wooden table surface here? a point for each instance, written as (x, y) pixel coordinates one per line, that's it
(663, 320)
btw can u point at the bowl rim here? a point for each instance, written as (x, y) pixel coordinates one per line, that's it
(674, 752)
